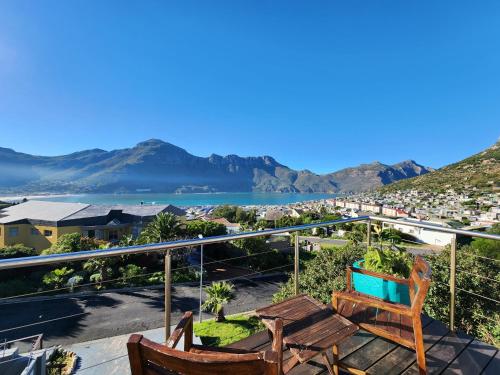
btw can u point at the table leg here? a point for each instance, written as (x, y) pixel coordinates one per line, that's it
(328, 364)
(335, 352)
(290, 364)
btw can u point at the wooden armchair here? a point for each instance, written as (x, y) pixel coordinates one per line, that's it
(151, 358)
(396, 322)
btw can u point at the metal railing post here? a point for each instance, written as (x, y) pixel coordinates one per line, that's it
(368, 233)
(296, 264)
(453, 269)
(168, 293)
(200, 318)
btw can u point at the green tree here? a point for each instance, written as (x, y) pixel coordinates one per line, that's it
(226, 211)
(100, 270)
(390, 235)
(205, 228)
(57, 278)
(488, 248)
(16, 251)
(323, 273)
(73, 242)
(164, 227)
(132, 274)
(219, 293)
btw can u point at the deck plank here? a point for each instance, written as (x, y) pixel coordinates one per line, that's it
(401, 358)
(445, 351)
(493, 368)
(472, 360)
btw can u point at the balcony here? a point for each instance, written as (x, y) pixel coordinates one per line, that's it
(84, 322)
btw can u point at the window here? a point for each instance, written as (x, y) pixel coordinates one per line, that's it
(13, 232)
(35, 232)
(47, 233)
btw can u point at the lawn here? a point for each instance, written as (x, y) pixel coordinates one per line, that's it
(235, 328)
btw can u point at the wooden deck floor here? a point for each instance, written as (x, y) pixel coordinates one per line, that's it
(446, 353)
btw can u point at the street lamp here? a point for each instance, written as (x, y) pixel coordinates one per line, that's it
(200, 236)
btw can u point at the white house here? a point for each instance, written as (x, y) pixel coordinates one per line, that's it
(424, 235)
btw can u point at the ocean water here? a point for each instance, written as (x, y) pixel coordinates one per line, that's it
(192, 199)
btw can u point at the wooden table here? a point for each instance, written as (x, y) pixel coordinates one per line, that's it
(309, 328)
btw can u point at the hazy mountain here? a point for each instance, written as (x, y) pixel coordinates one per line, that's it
(481, 171)
(163, 167)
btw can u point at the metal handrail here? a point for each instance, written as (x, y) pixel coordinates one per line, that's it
(39, 260)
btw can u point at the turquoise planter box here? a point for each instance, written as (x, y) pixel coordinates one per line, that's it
(374, 286)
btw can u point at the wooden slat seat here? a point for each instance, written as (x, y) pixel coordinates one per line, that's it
(399, 323)
(372, 319)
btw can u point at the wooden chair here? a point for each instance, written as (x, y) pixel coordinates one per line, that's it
(151, 358)
(396, 322)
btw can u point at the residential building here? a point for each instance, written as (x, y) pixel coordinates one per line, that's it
(231, 228)
(38, 224)
(424, 235)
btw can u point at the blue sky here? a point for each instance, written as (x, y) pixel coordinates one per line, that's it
(318, 85)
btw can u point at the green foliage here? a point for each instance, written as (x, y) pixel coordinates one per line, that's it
(476, 316)
(234, 328)
(164, 227)
(73, 242)
(323, 273)
(100, 269)
(235, 214)
(57, 278)
(205, 228)
(219, 293)
(132, 274)
(391, 235)
(288, 221)
(388, 261)
(488, 248)
(16, 251)
(257, 245)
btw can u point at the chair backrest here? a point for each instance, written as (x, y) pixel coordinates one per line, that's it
(419, 283)
(150, 358)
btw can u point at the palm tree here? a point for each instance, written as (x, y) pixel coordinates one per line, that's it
(219, 293)
(164, 227)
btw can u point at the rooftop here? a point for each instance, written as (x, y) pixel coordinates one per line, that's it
(40, 210)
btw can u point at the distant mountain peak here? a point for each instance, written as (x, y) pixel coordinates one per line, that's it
(151, 142)
(163, 167)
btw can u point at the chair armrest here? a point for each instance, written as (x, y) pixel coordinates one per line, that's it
(185, 326)
(374, 302)
(380, 275)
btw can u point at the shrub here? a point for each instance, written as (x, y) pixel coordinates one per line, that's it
(132, 274)
(57, 278)
(323, 274)
(16, 251)
(72, 242)
(476, 316)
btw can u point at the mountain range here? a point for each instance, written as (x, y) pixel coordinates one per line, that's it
(158, 166)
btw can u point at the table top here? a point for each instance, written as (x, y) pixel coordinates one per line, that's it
(309, 327)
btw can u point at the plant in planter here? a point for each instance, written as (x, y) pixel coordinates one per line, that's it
(387, 261)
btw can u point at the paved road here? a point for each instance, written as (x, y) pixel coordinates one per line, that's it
(115, 313)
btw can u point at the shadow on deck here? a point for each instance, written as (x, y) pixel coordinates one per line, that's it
(446, 352)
